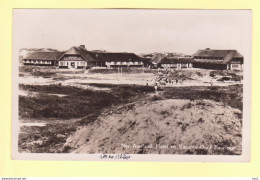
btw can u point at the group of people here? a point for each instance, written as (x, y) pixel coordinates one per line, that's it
(162, 79)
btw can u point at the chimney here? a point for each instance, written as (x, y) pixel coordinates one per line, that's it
(82, 46)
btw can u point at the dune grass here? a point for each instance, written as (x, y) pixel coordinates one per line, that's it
(228, 95)
(78, 102)
(81, 102)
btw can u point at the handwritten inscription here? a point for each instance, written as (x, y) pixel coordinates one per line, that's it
(115, 156)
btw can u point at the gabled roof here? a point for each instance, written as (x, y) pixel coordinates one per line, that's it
(173, 60)
(73, 51)
(78, 51)
(227, 55)
(146, 60)
(52, 56)
(108, 56)
(101, 56)
(86, 55)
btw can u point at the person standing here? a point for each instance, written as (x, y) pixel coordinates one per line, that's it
(155, 87)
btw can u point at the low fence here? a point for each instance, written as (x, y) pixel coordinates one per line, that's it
(122, 70)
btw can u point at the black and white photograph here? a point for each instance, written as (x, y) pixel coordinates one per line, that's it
(131, 84)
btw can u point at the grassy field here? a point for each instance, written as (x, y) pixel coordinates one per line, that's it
(47, 139)
(51, 71)
(228, 95)
(77, 102)
(81, 102)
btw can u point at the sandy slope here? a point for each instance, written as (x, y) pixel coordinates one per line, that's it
(162, 126)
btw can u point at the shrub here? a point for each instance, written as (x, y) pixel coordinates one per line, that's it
(224, 79)
(156, 98)
(217, 73)
(45, 74)
(229, 95)
(78, 102)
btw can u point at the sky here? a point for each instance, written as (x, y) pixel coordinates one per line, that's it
(138, 31)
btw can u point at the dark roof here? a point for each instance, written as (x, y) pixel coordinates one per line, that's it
(73, 51)
(101, 56)
(217, 53)
(108, 56)
(173, 60)
(78, 51)
(227, 55)
(157, 58)
(86, 55)
(148, 56)
(146, 59)
(45, 55)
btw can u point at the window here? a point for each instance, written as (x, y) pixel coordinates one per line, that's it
(81, 63)
(235, 65)
(62, 63)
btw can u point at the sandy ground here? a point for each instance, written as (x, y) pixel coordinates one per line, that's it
(114, 78)
(163, 126)
(68, 79)
(34, 94)
(32, 124)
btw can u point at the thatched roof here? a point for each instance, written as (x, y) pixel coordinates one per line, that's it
(86, 55)
(174, 60)
(108, 56)
(101, 56)
(146, 60)
(79, 51)
(51, 56)
(227, 56)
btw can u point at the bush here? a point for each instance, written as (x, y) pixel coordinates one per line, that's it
(217, 73)
(224, 79)
(48, 106)
(156, 98)
(228, 95)
(44, 74)
(78, 102)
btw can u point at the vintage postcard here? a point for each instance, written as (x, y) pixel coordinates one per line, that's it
(131, 85)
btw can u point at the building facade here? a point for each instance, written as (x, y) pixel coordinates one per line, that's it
(218, 59)
(80, 58)
(42, 58)
(176, 62)
(75, 58)
(114, 60)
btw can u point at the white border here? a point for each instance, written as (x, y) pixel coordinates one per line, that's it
(245, 157)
